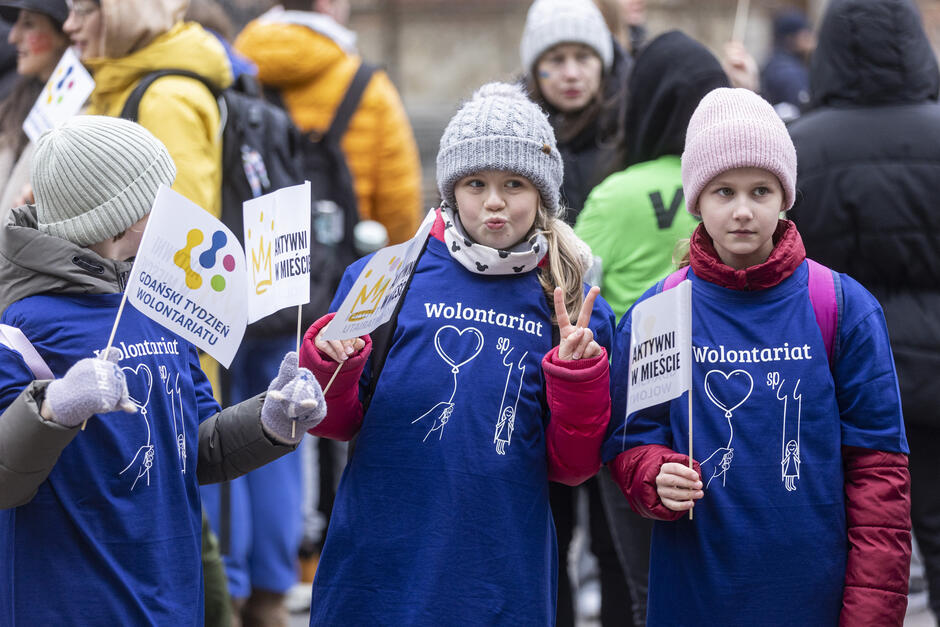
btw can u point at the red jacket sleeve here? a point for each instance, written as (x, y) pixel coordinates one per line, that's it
(635, 471)
(343, 409)
(578, 396)
(878, 517)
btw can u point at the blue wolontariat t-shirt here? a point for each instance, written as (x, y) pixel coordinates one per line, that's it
(113, 536)
(767, 544)
(442, 514)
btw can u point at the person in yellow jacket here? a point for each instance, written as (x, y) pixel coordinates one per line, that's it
(307, 54)
(121, 41)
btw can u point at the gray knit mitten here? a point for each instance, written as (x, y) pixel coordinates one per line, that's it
(293, 397)
(91, 386)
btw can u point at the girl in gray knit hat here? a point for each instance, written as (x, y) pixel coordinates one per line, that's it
(495, 381)
(109, 518)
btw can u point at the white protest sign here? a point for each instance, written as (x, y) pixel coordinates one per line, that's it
(660, 348)
(277, 250)
(63, 96)
(189, 276)
(372, 298)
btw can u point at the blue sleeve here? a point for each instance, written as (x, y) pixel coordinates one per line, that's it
(16, 375)
(647, 426)
(865, 377)
(206, 405)
(603, 321)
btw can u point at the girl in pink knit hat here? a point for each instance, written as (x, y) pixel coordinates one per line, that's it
(800, 484)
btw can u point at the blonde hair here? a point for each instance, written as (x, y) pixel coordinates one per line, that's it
(565, 265)
(682, 253)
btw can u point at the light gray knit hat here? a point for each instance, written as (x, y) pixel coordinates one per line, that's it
(553, 22)
(499, 128)
(95, 176)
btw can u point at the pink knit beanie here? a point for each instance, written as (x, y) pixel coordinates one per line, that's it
(735, 128)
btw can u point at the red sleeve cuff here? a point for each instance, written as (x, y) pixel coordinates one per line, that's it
(635, 471)
(343, 409)
(575, 369)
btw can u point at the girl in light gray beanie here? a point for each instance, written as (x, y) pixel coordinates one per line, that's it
(500, 129)
(492, 385)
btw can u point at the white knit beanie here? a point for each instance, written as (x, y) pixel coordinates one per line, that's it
(95, 176)
(499, 128)
(553, 22)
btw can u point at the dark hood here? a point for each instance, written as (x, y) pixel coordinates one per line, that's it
(33, 262)
(873, 52)
(670, 76)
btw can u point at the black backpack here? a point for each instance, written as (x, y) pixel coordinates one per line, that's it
(262, 151)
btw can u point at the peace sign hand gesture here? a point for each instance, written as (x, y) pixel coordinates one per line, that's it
(577, 341)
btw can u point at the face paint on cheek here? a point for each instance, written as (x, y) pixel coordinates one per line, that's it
(39, 43)
(544, 73)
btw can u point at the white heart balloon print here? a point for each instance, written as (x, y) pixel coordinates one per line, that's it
(727, 391)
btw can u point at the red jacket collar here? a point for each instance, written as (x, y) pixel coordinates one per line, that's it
(787, 255)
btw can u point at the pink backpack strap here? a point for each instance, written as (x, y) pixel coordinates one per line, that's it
(823, 294)
(13, 338)
(675, 278)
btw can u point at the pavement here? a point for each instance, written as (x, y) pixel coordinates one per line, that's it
(917, 613)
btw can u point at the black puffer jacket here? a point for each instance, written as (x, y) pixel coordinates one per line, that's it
(869, 177)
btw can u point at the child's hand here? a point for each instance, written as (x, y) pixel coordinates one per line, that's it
(294, 399)
(339, 350)
(91, 386)
(678, 486)
(577, 342)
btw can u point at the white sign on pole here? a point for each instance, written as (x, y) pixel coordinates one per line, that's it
(660, 348)
(189, 276)
(63, 96)
(277, 250)
(377, 290)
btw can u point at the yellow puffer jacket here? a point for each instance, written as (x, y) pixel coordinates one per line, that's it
(312, 72)
(141, 36)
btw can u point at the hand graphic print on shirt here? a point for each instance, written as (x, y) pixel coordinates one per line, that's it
(506, 420)
(727, 392)
(456, 347)
(139, 387)
(790, 440)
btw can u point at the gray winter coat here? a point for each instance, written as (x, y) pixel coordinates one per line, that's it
(231, 443)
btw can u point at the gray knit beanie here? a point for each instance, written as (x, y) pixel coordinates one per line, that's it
(553, 22)
(499, 128)
(95, 176)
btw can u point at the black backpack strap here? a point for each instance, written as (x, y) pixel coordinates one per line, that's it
(347, 107)
(381, 343)
(132, 104)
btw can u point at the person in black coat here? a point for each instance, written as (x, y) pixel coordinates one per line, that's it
(868, 193)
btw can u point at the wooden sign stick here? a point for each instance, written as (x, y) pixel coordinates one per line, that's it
(111, 339)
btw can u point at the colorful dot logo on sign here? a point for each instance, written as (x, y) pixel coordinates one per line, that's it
(183, 256)
(207, 259)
